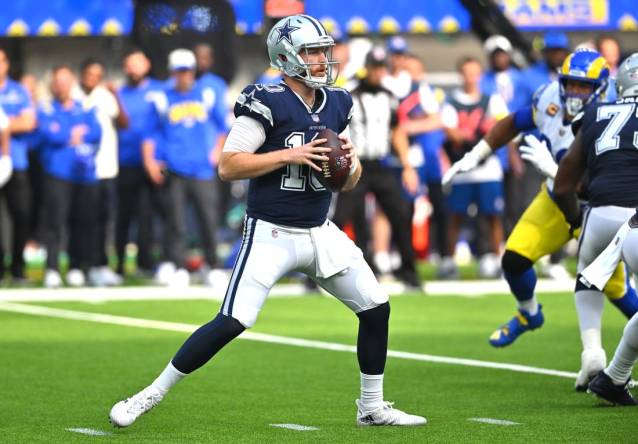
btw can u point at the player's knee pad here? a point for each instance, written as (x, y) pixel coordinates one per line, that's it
(379, 314)
(513, 262)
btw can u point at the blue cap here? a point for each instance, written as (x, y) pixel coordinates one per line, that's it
(397, 45)
(558, 40)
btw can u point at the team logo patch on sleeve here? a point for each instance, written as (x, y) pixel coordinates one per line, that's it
(552, 109)
(255, 105)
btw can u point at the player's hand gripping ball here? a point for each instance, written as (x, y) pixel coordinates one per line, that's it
(334, 171)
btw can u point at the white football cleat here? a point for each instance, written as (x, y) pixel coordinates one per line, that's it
(592, 361)
(386, 415)
(124, 413)
(52, 279)
(75, 278)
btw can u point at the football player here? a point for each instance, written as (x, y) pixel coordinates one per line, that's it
(606, 148)
(543, 229)
(273, 143)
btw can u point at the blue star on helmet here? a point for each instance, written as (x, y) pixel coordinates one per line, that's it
(285, 31)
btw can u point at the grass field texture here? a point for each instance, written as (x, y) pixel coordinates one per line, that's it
(57, 374)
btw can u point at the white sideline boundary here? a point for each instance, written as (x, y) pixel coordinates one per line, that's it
(264, 337)
(469, 289)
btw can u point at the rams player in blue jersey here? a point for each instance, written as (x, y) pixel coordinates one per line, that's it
(273, 143)
(543, 229)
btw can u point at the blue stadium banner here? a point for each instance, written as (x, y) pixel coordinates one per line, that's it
(572, 14)
(115, 17)
(365, 16)
(19, 18)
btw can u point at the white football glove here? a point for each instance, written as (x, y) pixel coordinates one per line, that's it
(467, 163)
(537, 153)
(6, 169)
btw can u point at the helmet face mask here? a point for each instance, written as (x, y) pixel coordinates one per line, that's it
(293, 46)
(583, 66)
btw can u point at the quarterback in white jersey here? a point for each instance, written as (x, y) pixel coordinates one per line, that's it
(543, 229)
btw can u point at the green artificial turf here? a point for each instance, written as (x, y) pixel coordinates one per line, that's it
(57, 374)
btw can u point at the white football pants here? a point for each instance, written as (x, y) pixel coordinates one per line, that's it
(270, 251)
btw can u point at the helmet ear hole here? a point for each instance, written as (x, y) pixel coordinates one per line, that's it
(283, 58)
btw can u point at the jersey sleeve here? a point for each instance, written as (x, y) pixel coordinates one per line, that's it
(257, 103)
(348, 106)
(524, 119)
(540, 101)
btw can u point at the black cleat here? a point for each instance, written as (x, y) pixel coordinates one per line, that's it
(603, 387)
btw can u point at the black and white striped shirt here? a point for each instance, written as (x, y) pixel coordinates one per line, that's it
(374, 117)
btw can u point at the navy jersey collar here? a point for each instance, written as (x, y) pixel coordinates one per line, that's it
(318, 106)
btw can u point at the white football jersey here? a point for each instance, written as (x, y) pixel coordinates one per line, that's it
(548, 117)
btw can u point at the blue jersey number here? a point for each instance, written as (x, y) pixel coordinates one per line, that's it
(619, 115)
(296, 176)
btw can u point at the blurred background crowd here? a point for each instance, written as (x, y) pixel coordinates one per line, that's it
(116, 126)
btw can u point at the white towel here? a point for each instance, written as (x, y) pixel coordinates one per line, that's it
(600, 270)
(328, 241)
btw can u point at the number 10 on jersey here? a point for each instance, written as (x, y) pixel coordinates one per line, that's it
(296, 176)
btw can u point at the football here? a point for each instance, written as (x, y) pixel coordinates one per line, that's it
(334, 171)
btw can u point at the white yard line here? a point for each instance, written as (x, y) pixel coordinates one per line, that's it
(298, 427)
(264, 337)
(90, 432)
(469, 289)
(503, 422)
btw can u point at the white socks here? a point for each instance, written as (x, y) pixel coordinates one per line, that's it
(529, 305)
(371, 391)
(589, 306)
(167, 379)
(619, 369)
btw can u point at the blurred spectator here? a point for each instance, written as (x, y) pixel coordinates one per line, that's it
(609, 48)
(341, 54)
(468, 115)
(94, 95)
(397, 80)
(185, 113)
(18, 106)
(373, 128)
(137, 197)
(215, 90)
(506, 80)
(70, 137)
(502, 77)
(419, 117)
(36, 226)
(555, 49)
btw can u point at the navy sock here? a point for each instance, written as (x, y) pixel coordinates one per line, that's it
(522, 284)
(205, 342)
(372, 342)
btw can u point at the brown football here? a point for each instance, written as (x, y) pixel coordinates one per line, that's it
(334, 171)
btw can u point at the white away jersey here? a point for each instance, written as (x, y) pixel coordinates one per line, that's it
(549, 117)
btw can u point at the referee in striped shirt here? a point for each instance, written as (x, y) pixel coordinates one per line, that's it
(374, 132)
